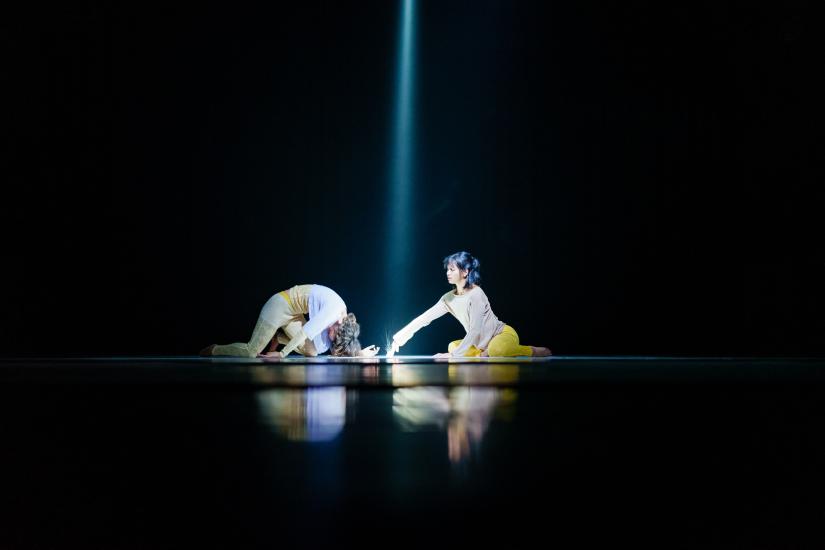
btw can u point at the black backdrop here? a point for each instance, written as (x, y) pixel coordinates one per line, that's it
(636, 179)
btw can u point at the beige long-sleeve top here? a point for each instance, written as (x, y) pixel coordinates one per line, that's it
(472, 309)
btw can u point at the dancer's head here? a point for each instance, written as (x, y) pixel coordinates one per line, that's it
(462, 268)
(344, 336)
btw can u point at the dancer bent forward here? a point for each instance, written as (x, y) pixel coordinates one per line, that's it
(282, 321)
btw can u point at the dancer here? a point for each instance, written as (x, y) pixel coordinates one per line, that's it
(486, 335)
(282, 321)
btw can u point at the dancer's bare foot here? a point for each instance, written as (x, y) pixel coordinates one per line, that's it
(207, 351)
(541, 352)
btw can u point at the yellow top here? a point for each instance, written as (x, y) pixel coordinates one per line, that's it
(298, 298)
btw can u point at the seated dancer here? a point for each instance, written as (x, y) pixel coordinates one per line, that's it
(486, 335)
(282, 320)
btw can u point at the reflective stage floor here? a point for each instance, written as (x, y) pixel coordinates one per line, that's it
(171, 452)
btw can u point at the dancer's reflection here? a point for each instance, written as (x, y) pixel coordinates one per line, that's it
(312, 414)
(464, 412)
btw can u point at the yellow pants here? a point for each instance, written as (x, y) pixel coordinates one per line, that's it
(503, 344)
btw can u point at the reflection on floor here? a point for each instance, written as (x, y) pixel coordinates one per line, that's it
(178, 452)
(406, 370)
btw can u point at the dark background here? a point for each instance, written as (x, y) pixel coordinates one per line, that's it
(636, 179)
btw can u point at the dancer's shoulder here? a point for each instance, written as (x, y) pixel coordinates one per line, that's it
(448, 296)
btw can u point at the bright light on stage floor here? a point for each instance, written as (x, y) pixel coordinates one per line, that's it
(406, 370)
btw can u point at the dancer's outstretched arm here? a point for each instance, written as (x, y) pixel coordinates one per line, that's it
(402, 336)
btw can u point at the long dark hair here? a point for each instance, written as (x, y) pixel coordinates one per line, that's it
(465, 261)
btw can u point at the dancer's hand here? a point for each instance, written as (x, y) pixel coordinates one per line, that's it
(370, 351)
(441, 356)
(271, 355)
(394, 347)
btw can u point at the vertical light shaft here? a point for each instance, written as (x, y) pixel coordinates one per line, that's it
(401, 170)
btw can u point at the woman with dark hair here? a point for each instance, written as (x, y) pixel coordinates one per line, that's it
(486, 335)
(282, 321)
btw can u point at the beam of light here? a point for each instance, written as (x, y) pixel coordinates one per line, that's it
(401, 172)
(388, 341)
